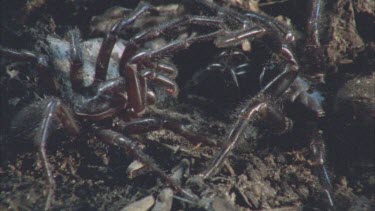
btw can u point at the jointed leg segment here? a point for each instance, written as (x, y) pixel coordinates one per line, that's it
(318, 150)
(144, 125)
(46, 115)
(117, 139)
(253, 110)
(111, 38)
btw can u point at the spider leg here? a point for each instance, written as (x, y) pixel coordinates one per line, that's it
(117, 139)
(313, 106)
(136, 84)
(298, 95)
(24, 56)
(51, 111)
(318, 149)
(270, 36)
(276, 35)
(133, 45)
(111, 38)
(144, 125)
(109, 98)
(136, 89)
(282, 82)
(167, 69)
(129, 63)
(257, 107)
(233, 38)
(169, 84)
(313, 30)
(41, 61)
(146, 57)
(138, 95)
(167, 81)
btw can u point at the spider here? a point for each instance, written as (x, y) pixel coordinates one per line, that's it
(103, 90)
(98, 79)
(279, 80)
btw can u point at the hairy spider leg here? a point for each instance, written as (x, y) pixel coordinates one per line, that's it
(52, 113)
(297, 94)
(259, 105)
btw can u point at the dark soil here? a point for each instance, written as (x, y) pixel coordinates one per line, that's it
(263, 172)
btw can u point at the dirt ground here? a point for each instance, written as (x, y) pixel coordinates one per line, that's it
(264, 172)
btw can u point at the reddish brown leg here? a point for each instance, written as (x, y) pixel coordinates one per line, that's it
(275, 34)
(146, 57)
(259, 105)
(129, 69)
(233, 38)
(111, 39)
(135, 86)
(136, 89)
(256, 108)
(152, 124)
(109, 97)
(132, 45)
(274, 42)
(169, 84)
(52, 112)
(117, 139)
(175, 25)
(167, 69)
